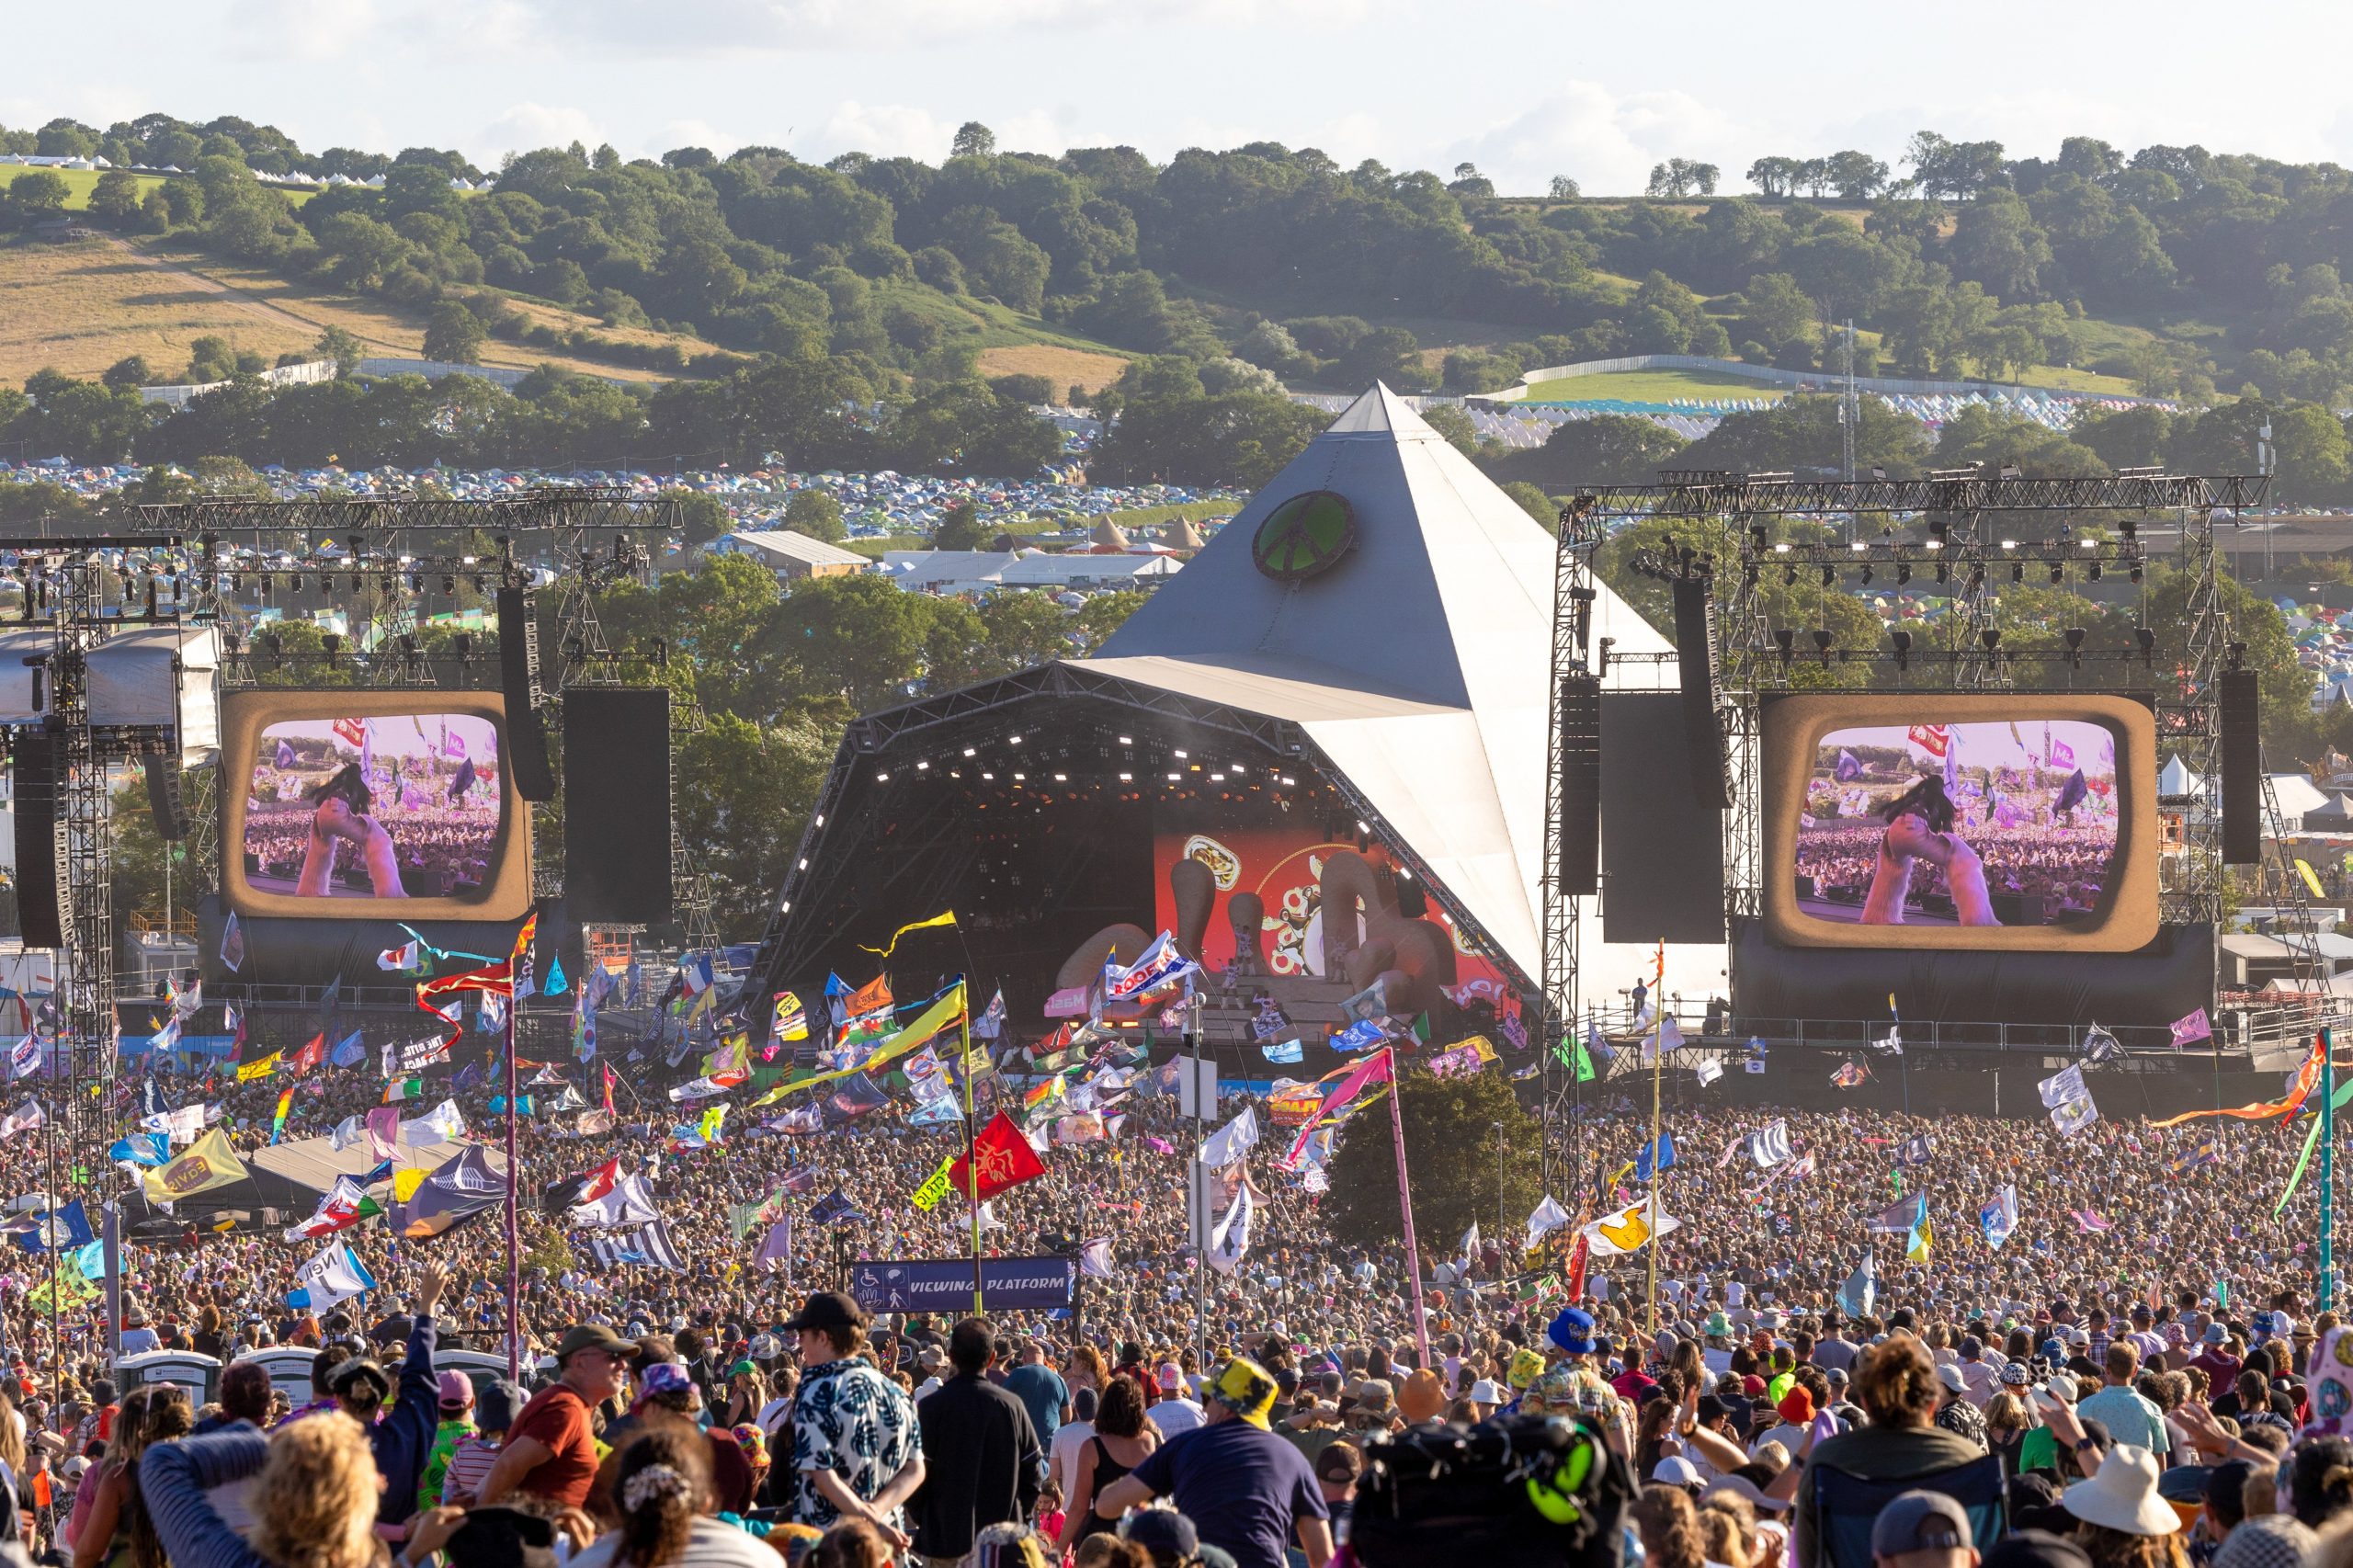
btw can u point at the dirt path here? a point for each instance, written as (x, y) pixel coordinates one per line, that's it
(245, 302)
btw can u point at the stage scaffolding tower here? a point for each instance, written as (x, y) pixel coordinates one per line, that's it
(1965, 532)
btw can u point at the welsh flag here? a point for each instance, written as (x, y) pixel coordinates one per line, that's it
(999, 1158)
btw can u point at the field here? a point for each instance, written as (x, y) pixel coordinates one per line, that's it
(79, 308)
(1653, 386)
(79, 183)
(1063, 367)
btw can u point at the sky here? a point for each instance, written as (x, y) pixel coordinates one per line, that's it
(1525, 90)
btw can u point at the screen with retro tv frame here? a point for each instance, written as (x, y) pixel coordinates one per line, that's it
(356, 804)
(2021, 821)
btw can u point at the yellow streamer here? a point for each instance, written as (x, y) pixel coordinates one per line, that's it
(947, 919)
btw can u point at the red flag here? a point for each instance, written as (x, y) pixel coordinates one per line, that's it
(1002, 1157)
(601, 1181)
(311, 1055)
(1578, 1260)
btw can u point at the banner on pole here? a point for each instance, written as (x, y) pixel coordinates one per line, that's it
(945, 1284)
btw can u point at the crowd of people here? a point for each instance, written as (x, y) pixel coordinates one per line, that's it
(775, 1416)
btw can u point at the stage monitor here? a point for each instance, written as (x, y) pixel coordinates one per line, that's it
(372, 805)
(2011, 822)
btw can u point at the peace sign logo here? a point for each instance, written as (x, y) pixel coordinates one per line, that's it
(1305, 536)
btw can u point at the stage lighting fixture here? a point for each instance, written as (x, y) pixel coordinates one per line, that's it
(1788, 574)
(2135, 572)
(1822, 643)
(987, 777)
(2018, 571)
(1127, 739)
(1174, 777)
(2075, 636)
(1784, 638)
(2148, 641)
(1014, 740)
(1829, 577)
(1127, 778)
(1866, 577)
(1021, 778)
(448, 584)
(1936, 526)
(1859, 546)
(2093, 572)
(151, 598)
(2009, 544)
(1903, 642)
(1216, 777)
(1288, 782)
(2091, 544)
(416, 581)
(1783, 548)
(881, 779)
(1944, 572)
(1756, 535)
(464, 643)
(1062, 778)
(1362, 829)
(275, 643)
(2131, 529)
(2058, 572)
(923, 767)
(1991, 637)
(333, 644)
(1180, 755)
(481, 584)
(820, 819)
(1903, 573)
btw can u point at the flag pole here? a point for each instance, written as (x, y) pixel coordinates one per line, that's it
(1658, 1065)
(513, 1182)
(972, 1150)
(1405, 1210)
(2328, 1171)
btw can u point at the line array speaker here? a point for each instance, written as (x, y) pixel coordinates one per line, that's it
(44, 908)
(1580, 785)
(2242, 694)
(1695, 645)
(616, 803)
(164, 798)
(518, 672)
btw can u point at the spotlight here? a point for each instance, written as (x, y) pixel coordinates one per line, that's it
(2094, 573)
(2058, 572)
(1866, 577)
(2148, 641)
(1903, 640)
(333, 643)
(2136, 571)
(2075, 636)
(275, 643)
(1991, 637)
(1822, 643)
(2018, 571)
(1829, 577)
(1903, 573)
(464, 643)
(1783, 637)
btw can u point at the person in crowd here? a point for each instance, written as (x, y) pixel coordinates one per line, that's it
(496, 1401)
(857, 1445)
(663, 1491)
(1246, 1490)
(314, 1497)
(1922, 1530)
(1895, 1383)
(1040, 1390)
(1122, 1439)
(551, 1451)
(983, 1464)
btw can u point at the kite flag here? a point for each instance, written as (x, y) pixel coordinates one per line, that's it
(2311, 881)
(1861, 1290)
(947, 919)
(2301, 1090)
(936, 1187)
(1916, 1246)
(556, 985)
(2195, 1027)
(999, 1158)
(2000, 1217)
(792, 1019)
(1628, 1230)
(1289, 1051)
(1371, 1070)
(1915, 1151)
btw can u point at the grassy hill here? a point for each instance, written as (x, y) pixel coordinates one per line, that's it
(82, 306)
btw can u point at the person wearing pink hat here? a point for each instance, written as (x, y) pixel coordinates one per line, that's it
(457, 1409)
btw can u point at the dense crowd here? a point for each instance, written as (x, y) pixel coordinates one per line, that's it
(2064, 866)
(713, 1373)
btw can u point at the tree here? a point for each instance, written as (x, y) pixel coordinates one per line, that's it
(343, 347)
(702, 518)
(211, 358)
(744, 792)
(1775, 311)
(1103, 614)
(858, 637)
(815, 513)
(1776, 177)
(973, 140)
(37, 196)
(130, 371)
(453, 334)
(959, 527)
(1455, 426)
(1610, 449)
(1453, 1153)
(116, 197)
(1534, 502)
(1564, 189)
(1856, 176)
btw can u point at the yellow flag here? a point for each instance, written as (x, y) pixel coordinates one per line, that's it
(1918, 1250)
(261, 1069)
(773, 1096)
(209, 1162)
(935, 1018)
(2311, 881)
(709, 1126)
(947, 919)
(406, 1180)
(936, 1186)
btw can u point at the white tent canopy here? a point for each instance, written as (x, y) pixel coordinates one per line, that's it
(2177, 782)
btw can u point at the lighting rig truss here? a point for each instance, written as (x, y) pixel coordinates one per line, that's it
(1968, 532)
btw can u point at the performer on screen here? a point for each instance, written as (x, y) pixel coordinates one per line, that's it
(340, 816)
(1919, 827)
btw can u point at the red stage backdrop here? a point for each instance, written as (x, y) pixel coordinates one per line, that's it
(1283, 866)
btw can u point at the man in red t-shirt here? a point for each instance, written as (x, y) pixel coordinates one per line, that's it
(550, 1450)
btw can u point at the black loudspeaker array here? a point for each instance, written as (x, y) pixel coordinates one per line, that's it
(164, 798)
(2242, 694)
(44, 907)
(616, 803)
(1412, 903)
(1580, 785)
(519, 671)
(1695, 645)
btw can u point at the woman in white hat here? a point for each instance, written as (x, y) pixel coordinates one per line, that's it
(2121, 1521)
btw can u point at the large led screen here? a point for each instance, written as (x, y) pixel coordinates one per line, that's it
(2019, 819)
(353, 804)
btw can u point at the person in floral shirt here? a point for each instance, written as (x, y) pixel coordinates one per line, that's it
(857, 1451)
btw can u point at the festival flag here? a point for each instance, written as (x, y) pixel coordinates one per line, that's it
(608, 1087)
(2194, 1025)
(1916, 1150)
(567, 1192)
(1229, 1142)
(232, 945)
(1898, 1218)
(310, 1057)
(1661, 1151)
(406, 959)
(938, 920)
(252, 1071)
(1916, 1244)
(776, 1249)
(2101, 1046)
(336, 1275)
(1629, 1230)
(1769, 1145)
(1999, 1217)
(1229, 1238)
(349, 1052)
(934, 1187)
(1851, 1075)
(2300, 1089)
(1377, 1068)
(2073, 1115)
(1000, 1157)
(1860, 1292)
(2065, 1084)
(791, 1020)
(399, 1090)
(285, 1110)
(2312, 879)
(1547, 1217)
(2207, 1150)
(1161, 964)
(1039, 1094)
(210, 1162)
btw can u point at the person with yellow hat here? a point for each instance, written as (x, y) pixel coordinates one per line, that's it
(1246, 1489)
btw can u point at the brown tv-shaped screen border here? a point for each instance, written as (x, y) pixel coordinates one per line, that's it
(505, 891)
(2123, 919)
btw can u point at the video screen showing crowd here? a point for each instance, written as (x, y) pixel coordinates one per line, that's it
(1996, 824)
(402, 807)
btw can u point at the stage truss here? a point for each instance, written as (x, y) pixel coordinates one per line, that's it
(1964, 532)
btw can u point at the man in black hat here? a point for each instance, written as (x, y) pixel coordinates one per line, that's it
(857, 1445)
(982, 1459)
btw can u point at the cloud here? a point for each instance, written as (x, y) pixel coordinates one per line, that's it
(1605, 141)
(299, 29)
(887, 131)
(524, 125)
(694, 27)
